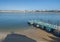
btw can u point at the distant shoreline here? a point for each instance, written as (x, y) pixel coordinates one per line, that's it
(30, 11)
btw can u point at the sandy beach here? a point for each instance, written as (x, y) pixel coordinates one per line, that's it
(34, 33)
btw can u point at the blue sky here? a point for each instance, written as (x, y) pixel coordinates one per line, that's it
(29, 4)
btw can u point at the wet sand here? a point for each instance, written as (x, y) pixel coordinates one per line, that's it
(34, 33)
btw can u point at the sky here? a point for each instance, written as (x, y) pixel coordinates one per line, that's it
(29, 4)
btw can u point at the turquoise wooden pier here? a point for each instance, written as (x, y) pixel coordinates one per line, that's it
(46, 26)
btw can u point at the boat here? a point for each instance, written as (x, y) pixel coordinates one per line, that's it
(45, 26)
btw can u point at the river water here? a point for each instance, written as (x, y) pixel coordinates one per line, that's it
(18, 20)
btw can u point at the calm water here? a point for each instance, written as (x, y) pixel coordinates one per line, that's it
(19, 20)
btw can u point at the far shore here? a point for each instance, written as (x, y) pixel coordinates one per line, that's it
(58, 11)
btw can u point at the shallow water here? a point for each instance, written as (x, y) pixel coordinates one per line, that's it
(11, 20)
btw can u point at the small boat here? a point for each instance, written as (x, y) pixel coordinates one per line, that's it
(45, 26)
